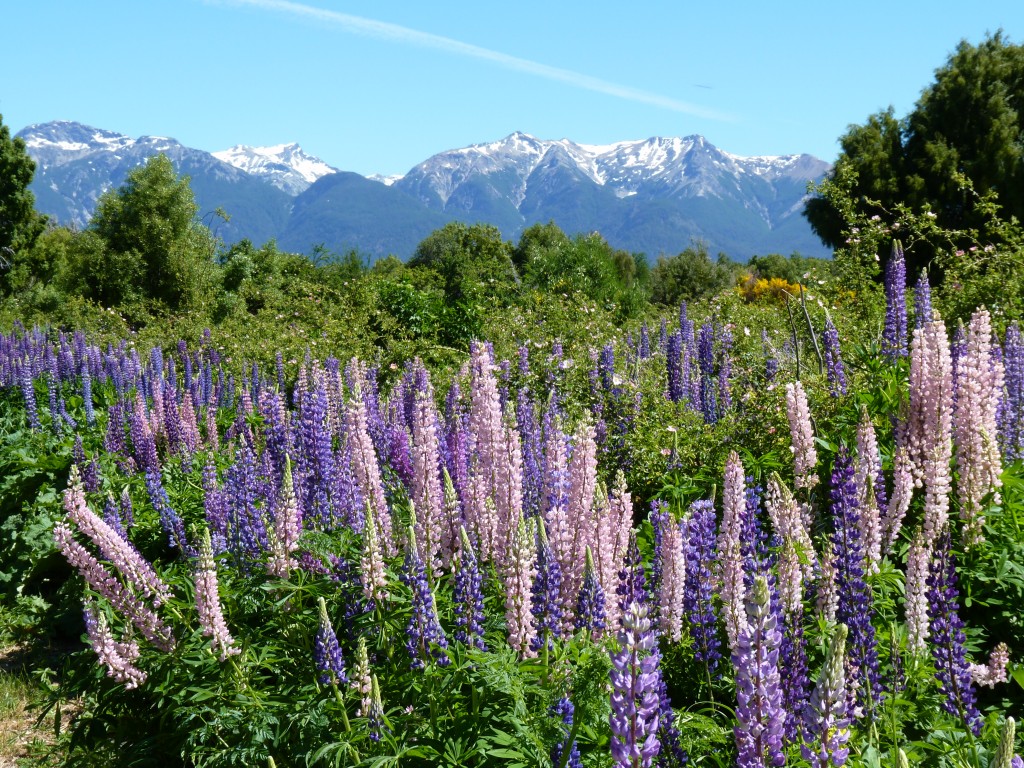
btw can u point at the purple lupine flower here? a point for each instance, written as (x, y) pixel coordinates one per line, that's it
(377, 723)
(468, 596)
(112, 516)
(90, 414)
(663, 335)
(674, 362)
(1011, 421)
(947, 630)
(632, 586)
(424, 636)
(834, 368)
(28, 392)
(724, 372)
(564, 710)
(795, 681)
(698, 599)
(326, 652)
(635, 678)
(758, 687)
(922, 301)
(533, 452)
(645, 342)
(855, 606)
(706, 361)
(771, 361)
(170, 520)
(826, 725)
(894, 336)
(546, 604)
(590, 612)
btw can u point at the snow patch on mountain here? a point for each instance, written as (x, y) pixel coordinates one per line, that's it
(285, 166)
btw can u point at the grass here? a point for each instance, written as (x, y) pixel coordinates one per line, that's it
(24, 740)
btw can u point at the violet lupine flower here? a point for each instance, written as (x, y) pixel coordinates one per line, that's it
(170, 520)
(326, 652)
(706, 360)
(979, 389)
(590, 612)
(758, 689)
(994, 672)
(771, 361)
(826, 725)
(112, 516)
(467, 596)
(152, 627)
(855, 606)
(635, 678)
(834, 368)
(119, 658)
(947, 630)
(377, 724)
(519, 577)
(894, 336)
(28, 392)
(922, 300)
(564, 710)
(632, 586)
(546, 603)
(425, 638)
(805, 457)
(698, 599)
(724, 372)
(211, 617)
(1011, 421)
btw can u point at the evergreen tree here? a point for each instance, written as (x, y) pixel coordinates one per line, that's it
(20, 225)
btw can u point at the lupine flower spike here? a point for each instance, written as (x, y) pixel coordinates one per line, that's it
(211, 617)
(635, 678)
(826, 725)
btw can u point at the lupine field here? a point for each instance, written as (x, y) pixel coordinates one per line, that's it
(328, 561)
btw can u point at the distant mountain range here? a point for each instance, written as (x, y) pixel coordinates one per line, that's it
(654, 196)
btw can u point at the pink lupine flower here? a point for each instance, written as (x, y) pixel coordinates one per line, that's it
(828, 599)
(367, 470)
(797, 558)
(371, 564)
(519, 575)
(979, 388)
(103, 582)
(866, 468)
(124, 557)
(805, 457)
(211, 617)
(902, 493)
(582, 485)
(730, 558)
(119, 658)
(994, 672)
(673, 582)
(361, 681)
(915, 604)
(287, 527)
(929, 437)
(427, 492)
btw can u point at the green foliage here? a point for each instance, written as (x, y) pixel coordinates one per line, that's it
(689, 275)
(470, 260)
(20, 225)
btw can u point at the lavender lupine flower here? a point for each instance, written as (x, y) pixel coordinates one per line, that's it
(771, 361)
(467, 596)
(519, 571)
(894, 336)
(211, 617)
(867, 469)
(706, 360)
(546, 602)
(730, 556)
(805, 457)
(367, 470)
(995, 671)
(564, 710)
(28, 392)
(1011, 421)
(119, 658)
(922, 300)
(724, 372)
(672, 584)
(698, 599)
(635, 679)
(673, 363)
(361, 681)
(826, 725)
(425, 638)
(427, 491)
(951, 667)
(758, 689)
(112, 516)
(590, 612)
(979, 389)
(170, 520)
(834, 368)
(152, 627)
(855, 605)
(326, 652)
(632, 586)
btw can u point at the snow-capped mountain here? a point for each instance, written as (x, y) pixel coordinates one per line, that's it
(285, 166)
(653, 196)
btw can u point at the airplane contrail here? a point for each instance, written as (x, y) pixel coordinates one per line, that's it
(383, 30)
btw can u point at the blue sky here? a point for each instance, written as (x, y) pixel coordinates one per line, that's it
(377, 87)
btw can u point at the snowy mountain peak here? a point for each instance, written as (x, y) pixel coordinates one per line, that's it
(285, 166)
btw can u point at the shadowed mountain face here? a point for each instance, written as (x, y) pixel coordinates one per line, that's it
(654, 196)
